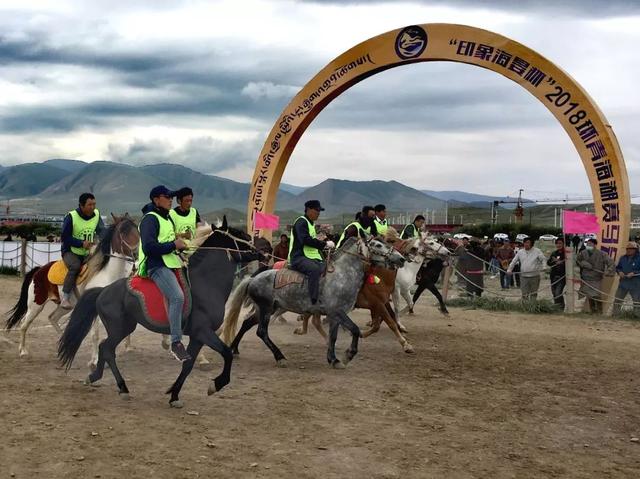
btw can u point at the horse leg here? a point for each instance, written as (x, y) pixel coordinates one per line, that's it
(55, 316)
(214, 342)
(247, 324)
(33, 311)
(393, 326)
(263, 333)
(302, 330)
(203, 362)
(331, 346)
(95, 344)
(353, 328)
(375, 323)
(396, 300)
(392, 315)
(443, 307)
(407, 297)
(315, 320)
(166, 342)
(421, 287)
(193, 348)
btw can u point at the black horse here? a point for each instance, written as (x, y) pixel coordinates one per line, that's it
(427, 278)
(211, 270)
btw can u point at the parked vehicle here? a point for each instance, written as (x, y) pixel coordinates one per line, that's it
(521, 237)
(548, 237)
(462, 236)
(501, 236)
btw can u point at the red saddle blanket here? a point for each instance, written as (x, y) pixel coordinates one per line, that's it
(153, 302)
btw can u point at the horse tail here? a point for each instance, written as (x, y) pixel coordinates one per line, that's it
(235, 305)
(20, 309)
(82, 317)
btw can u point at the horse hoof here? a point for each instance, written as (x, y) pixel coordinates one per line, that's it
(24, 353)
(445, 313)
(402, 328)
(299, 331)
(281, 363)
(165, 346)
(411, 313)
(124, 396)
(212, 389)
(408, 349)
(337, 364)
(235, 353)
(92, 366)
(176, 404)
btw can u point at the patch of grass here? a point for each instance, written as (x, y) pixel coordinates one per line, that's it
(542, 306)
(627, 314)
(9, 271)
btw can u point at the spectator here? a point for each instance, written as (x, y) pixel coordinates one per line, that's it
(575, 241)
(515, 278)
(594, 265)
(471, 259)
(531, 261)
(557, 276)
(504, 255)
(281, 251)
(629, 271)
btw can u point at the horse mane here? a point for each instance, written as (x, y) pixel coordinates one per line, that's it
(101, 254)
(391, 235)
(231, 238)
(345, 246)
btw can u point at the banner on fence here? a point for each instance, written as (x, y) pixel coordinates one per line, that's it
(579, 223)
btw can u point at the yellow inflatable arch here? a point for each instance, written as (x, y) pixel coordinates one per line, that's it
(578, 114)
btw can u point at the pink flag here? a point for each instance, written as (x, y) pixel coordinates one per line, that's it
(264, 221)
(575, 222)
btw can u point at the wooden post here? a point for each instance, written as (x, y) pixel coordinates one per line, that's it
(23, 256)
(569, 275)
(445, 287)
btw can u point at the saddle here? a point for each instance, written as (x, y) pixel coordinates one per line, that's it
(153, 303)
(285, 277)
(57, 271)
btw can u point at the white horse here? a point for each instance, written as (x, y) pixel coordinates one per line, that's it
(113, 258)
(406, 276)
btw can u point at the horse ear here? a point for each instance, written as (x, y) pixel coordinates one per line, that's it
(224, 222)
(114, 217)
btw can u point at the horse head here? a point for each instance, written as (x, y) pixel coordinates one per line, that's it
(383, 254)
(432, 245)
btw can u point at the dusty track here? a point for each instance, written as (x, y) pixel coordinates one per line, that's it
(487, 395)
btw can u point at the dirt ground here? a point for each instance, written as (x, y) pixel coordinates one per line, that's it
(487, 395)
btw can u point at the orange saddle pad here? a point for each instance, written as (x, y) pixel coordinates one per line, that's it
(58, 271)
(152, 301)
(285, 277)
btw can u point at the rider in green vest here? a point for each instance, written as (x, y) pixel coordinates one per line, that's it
(81, 228)
(184, 216)
(413, 230)
(304, 248)
(380, 219)
(364, 222)
(157, 257)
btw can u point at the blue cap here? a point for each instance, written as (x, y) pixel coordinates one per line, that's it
(314, 205)
(161, 190)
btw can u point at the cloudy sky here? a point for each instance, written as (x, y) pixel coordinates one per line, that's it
(201, 83)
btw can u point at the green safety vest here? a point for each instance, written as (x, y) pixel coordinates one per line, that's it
(309, 251)
(415, 231)
(166, 234)
(83, 230)
(184, 223)
(358, 226)
(380, 226)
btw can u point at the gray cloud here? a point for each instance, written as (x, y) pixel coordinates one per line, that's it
(205, 154)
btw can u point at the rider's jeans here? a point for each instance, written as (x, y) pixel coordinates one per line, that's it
(168, 284)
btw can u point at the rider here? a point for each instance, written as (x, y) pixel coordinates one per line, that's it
(380, 219)
(185, 218)
(364, 222)
(413, 230)
(304, 248)
(157, 257)
(79, 230)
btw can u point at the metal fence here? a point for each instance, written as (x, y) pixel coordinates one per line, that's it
(25, 255)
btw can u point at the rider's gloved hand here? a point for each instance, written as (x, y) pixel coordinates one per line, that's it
(330, 245)
(180, 245)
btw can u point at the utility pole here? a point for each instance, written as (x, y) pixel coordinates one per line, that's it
(446, 212)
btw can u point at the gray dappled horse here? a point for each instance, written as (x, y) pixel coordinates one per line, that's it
(338, 291)
(211, 272)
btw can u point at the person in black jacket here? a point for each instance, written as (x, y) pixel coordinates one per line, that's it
(557, 276)
(304, 248)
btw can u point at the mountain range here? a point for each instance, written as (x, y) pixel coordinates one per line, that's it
(55, 184)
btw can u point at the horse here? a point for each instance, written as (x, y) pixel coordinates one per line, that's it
(338, 291)
(211, 272)
(111, 259)
(375, 294)
(406, 276)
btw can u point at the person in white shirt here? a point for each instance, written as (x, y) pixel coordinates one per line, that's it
(531, 261)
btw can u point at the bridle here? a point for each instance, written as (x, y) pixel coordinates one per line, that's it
(132, 253)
